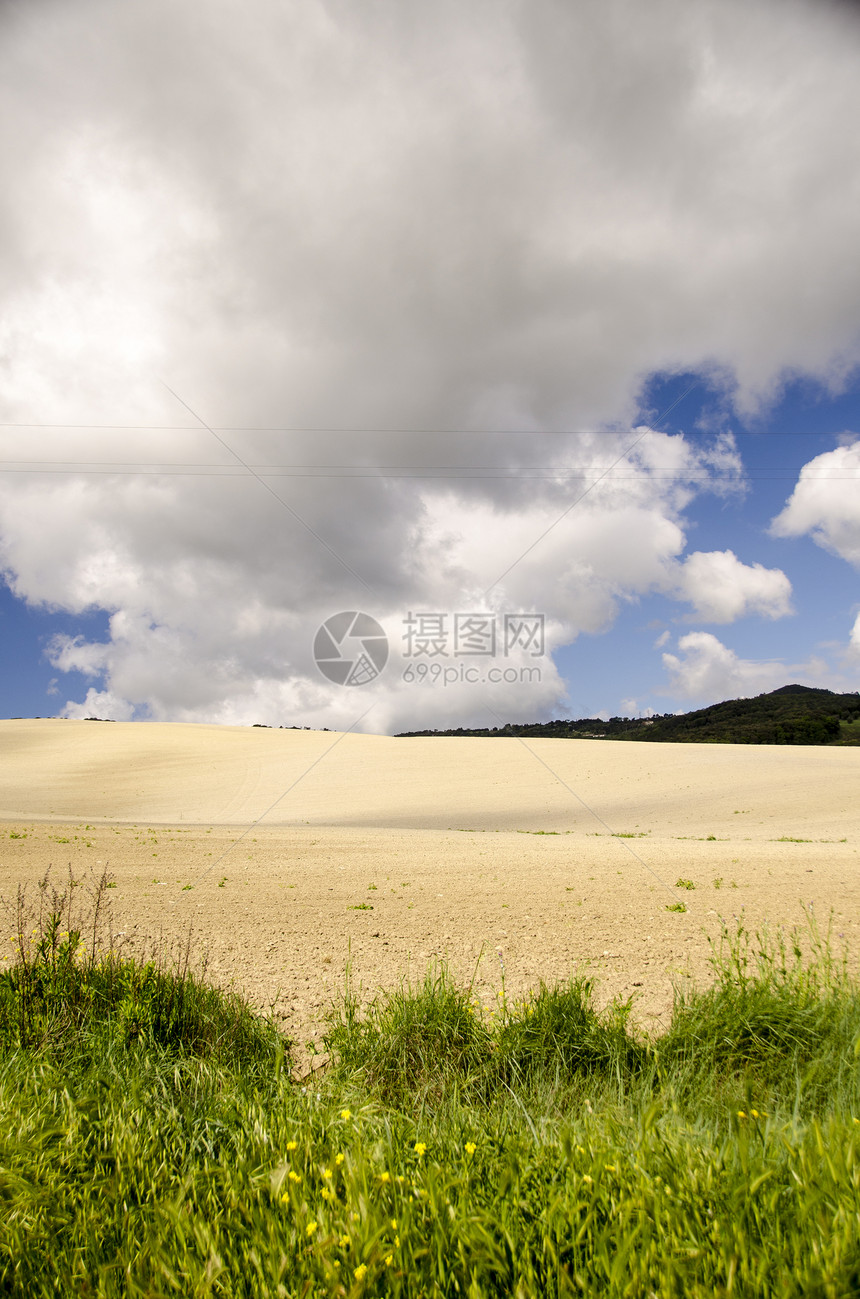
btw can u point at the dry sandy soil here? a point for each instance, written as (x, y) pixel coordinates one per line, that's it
(297, 854)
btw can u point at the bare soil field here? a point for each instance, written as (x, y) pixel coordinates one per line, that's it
(297, 857)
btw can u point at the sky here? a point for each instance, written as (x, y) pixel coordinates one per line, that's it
(526, 334)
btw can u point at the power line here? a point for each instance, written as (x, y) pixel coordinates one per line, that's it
(293, 513)
(537, 473)
(406, 432)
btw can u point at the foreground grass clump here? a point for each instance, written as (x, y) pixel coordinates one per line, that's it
(544, 1153)
(414, 1038)
(70, 984)
(429, 1040)
(772, 1021)
(557, 1035)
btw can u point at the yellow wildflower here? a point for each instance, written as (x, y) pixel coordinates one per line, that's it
(470, 1147)
(385, 1177)
(344, 1242)
(338, 1159)
(393, 1224)
(360, 1272)
(754, 1113)
(587, 1179)
(292, 1145)
(311, 1228)
(285, 1199)
(397, 1242)
(294, 1177)
(420, 1149)
(389, 1259)
(346, 1114)
(326, 1172)
(742, 1114)
(328, 1194)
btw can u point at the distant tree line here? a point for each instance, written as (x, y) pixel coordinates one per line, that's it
(791, 715)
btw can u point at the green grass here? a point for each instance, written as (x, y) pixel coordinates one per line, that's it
(544, 1150)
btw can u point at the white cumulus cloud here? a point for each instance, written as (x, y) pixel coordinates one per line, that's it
(707, 671)
(825, 504)
(721, 588)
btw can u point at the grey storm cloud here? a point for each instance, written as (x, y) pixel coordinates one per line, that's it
(394, 216)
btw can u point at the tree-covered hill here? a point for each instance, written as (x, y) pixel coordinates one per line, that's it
(791, 715)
